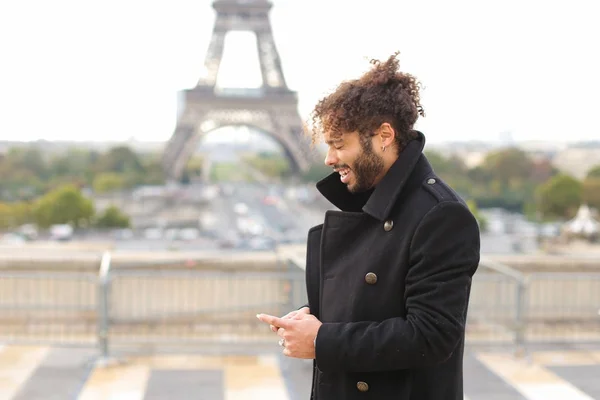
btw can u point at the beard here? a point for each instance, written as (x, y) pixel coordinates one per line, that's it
(367, 167)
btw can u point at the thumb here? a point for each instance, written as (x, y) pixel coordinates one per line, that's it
(275, 321)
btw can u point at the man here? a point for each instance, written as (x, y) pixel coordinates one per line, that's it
(388, 276)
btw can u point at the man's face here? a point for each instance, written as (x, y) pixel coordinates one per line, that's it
(355, 160)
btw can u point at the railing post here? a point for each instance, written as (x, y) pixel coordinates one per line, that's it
(520, 318)
(102, 317)
(292, 282)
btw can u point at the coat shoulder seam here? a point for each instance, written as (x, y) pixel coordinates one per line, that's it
(439, 205)
(439, 190)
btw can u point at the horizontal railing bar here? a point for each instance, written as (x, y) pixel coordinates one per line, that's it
(565, 275)
(501, 269)
(206, 274)
(44, 307)
(37, 276)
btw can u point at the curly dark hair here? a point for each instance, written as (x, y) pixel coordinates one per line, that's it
(383, 94)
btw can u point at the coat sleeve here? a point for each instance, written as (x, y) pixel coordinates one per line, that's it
(444, 255)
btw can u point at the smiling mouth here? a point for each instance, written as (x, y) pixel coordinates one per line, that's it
(344, 174)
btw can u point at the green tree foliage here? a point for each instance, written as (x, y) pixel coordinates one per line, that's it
(64, 205)
(506, 178)
(271, 165)
(6, 216)
(23, 173)
(28, 172)
(74, 165)
(591, 192)
(594, 172)
(507, 166)
(452, 170)
(119, 159)
(109, 182)
(194, 165)
(316, 172)
(153, 173)
(228, 172)
(112, 217)
(481, 220)
(560, 197)
(15, 214)
(123, 161)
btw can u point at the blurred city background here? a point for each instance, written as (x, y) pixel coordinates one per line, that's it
(156, 187)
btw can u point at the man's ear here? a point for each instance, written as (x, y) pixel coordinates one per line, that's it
(387, 134)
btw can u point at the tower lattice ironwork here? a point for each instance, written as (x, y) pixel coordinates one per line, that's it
(271, 108)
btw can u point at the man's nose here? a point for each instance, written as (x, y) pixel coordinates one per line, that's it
(330, 158)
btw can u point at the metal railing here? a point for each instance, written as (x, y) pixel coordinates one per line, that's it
(45, 306)
(509, 307)
(496, 311)
(103, 304)
(138, 307)
(177, 306)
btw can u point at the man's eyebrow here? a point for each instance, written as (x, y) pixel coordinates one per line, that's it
(335, 140)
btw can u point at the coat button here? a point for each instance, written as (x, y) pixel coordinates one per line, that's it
(430, 181)
(388, 225)
(371, 278)
(362, 386)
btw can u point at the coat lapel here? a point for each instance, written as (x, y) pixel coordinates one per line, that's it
(377, 202)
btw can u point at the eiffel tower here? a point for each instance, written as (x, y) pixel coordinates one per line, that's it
(272, 108)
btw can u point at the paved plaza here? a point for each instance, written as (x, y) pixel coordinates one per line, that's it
(48, 373)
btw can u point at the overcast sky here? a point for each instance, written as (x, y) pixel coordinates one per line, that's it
(111, 69)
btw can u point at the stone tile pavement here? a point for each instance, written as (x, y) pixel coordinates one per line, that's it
(39, 372)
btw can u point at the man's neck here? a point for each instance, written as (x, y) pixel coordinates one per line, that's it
(387, 164)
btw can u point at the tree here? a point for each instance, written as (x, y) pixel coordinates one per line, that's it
(108, 182)
(591, 192)
(452, 170)
(30, 159)
(194, 165)
(64, 205)
(506, 178)
(23, 171)
(112, 217)
(29, 172)
(119, 159)
(542, 170)
(269, 164)
(73, 165)
(154, 173)
(446, 167)
(560, 197)
(6, 216)
(316, 172)
(481, 220)
(13, 215)
(594, 172)
(508, 165)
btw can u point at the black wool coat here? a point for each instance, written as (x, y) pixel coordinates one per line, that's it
(389, 276)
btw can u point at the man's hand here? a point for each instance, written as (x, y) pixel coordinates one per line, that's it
(298, 332)
(292, 315)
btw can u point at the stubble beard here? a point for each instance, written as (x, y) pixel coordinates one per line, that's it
(367, 167)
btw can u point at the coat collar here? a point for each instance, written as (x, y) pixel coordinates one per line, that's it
(377, 202)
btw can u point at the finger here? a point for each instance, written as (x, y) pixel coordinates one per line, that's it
(299, 316)
(290, 315)
(287, 352)
(273, 328)
(275, 321)
(280, 332)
